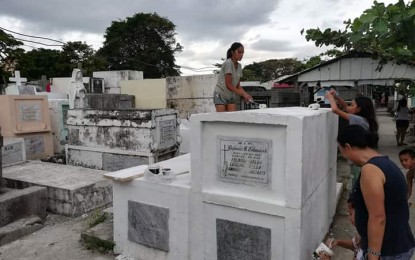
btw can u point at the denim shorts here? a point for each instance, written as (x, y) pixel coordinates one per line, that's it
(220, 100)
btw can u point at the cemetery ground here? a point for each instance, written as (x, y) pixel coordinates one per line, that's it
(60, 238)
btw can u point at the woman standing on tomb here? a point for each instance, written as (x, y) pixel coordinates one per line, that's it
(228, 87)
(380, 198)
(360, 112)
(403, 114)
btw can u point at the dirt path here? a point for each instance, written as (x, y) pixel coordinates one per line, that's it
(58, 240)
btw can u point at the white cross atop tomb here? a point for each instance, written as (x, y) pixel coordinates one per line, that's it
(17, 88)
(17, 79)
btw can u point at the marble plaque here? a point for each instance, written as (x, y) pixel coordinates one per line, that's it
(168, 132)
(244, 160)
(237, 241)
(30, 112)
(34, 145)
(26, 90)
(12, 152)
(148, 225)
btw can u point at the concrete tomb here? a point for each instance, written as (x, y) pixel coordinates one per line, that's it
(22, 210)
(257, 189)
(109, 134)
(27, 117)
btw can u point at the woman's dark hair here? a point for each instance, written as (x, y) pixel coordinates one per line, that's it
(234, 47)
(367, 111)
(402, 103)
(357, 136)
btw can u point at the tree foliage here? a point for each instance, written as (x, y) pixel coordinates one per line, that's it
(144, 42)
(271, 69)
(74, 53)
(10, 51)
(35, 63)
(387, 32)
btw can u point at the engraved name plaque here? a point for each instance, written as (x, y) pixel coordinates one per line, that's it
(30, 112)
(244, 160)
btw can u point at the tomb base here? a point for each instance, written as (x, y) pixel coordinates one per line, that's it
(114, 159)
(151, 217)
(71, 191)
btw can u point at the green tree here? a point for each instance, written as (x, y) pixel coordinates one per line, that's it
(272, 69)
(10, 51)
(35, 63)
(77, 52)
(387, 32)
(144, 42)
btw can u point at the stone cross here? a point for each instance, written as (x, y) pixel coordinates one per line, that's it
(43, 81)
(17, 79)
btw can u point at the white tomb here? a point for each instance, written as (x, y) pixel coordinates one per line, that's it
(18, 88)
(263, 186)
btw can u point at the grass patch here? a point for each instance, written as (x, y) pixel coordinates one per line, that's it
(97, 218)
(93, 243)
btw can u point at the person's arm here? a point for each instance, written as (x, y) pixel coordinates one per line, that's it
(335, 108)
(409, 181)
(237, 89)
(342, 103)
(372, 184)
(345, 243)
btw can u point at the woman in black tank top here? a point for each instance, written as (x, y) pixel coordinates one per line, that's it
(380, 198)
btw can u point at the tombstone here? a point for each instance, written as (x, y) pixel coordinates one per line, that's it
(97, 85)
(13, 151)
(42, 83)
(151, 215)
(261, 192)
(18, 88)
(27, 117)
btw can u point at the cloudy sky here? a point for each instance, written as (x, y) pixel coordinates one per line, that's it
(269, 29)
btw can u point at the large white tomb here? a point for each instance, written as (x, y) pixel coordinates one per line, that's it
(263, 183)
(263, 186)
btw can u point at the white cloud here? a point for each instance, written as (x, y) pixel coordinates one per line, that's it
(269, 29)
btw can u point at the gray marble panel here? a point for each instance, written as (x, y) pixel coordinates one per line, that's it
(244, 160)
(26, 90)
(148, 225)
(34, 145)
(237, 241)
(167, 135)
(30, 112)
(12, 152)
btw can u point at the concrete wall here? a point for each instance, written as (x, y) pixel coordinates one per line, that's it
(60, 85)
(191, 94)
(112, 79)
(58, 110)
